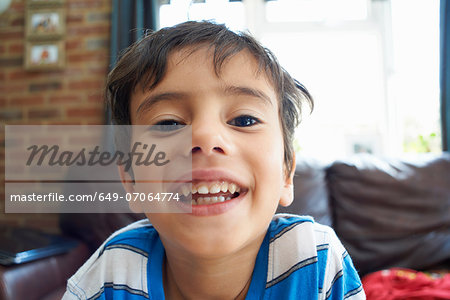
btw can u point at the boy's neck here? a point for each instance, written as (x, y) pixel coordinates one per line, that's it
(188, 277)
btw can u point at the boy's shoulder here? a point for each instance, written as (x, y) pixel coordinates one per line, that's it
(300, 248)
(298, 241)
(293, 227)
(134, 236)
(120, 263)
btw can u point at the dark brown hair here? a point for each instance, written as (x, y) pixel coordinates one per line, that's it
(145, 62)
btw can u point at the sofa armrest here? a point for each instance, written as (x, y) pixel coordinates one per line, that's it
(392, 212)
(37, 279)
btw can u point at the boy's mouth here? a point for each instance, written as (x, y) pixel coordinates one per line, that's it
(210, 192)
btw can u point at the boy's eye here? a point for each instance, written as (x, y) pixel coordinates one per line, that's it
(167, 125)
(244, 121)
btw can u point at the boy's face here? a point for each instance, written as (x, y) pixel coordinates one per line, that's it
(236, 138)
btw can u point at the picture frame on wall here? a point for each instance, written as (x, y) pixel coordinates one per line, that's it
(46, 23)
(48, 55)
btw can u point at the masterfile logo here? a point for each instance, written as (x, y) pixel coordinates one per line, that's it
(57, 169)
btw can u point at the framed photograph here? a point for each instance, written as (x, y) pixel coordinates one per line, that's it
(45, 23)
(48, 55)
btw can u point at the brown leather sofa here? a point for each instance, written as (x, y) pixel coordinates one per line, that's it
(387, 212)
(44, 279)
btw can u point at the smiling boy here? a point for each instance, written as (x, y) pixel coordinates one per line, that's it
(242, 108)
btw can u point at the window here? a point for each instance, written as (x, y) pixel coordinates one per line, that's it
(372, 67)
(414, 81)
(222, 11)
(316, 10)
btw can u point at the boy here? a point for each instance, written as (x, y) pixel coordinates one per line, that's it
(243, 109)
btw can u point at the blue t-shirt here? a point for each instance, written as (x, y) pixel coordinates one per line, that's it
(298, 259)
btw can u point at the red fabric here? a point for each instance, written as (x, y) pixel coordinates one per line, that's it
(405, 284)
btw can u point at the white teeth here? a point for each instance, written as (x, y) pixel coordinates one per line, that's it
(232, 188)
(214, 189)
(209, 200)
(185, 190)
(224, 187)
(203, 189)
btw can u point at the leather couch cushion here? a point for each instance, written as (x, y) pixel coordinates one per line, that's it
(39, 279)
(392, 213)
(310, 191)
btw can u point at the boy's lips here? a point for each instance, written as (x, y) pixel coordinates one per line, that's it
(210, 191)
(212, 209)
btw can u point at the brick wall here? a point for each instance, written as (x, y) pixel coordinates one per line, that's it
(69, 96)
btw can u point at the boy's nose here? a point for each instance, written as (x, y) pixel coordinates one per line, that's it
(206, 150)
(208, 139)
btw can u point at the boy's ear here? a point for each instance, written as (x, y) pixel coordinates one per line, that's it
(128, 185)
(287, 192)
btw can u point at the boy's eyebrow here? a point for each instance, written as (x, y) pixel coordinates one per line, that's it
(247, 91)
(153, 99)
(230, 89)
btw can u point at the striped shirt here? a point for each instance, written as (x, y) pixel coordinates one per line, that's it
(298, 259)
